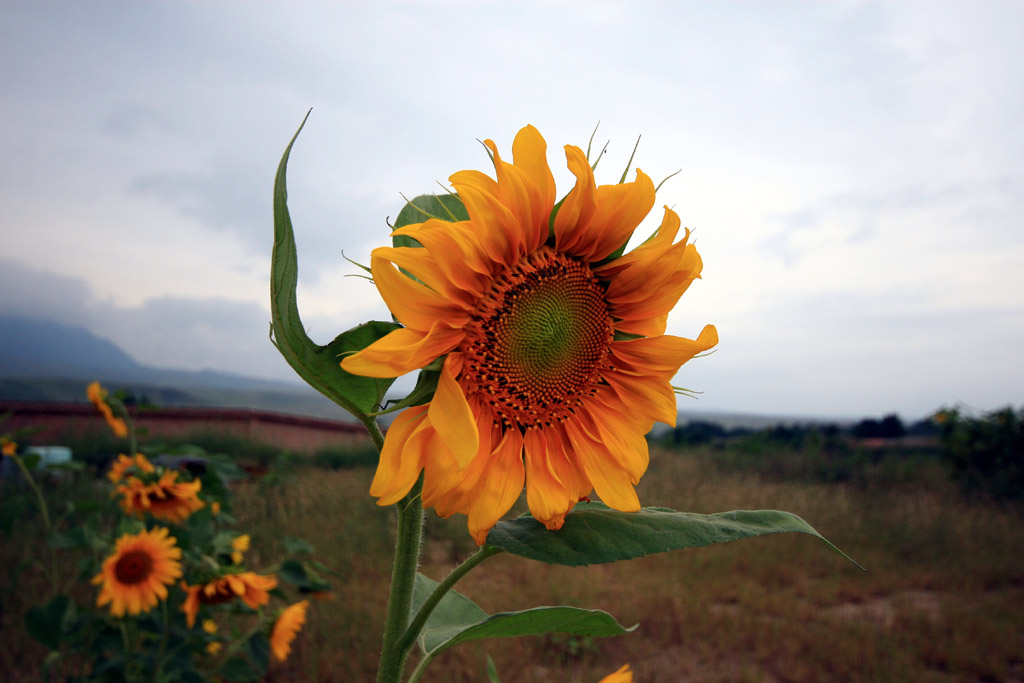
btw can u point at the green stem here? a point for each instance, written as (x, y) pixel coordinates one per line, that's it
(158, 669)
(417, 673)
(43, 509)
(427, 608)
(403, 579)
(373, 428)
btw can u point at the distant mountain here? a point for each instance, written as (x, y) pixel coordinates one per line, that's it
(44, 360)
(50, 361)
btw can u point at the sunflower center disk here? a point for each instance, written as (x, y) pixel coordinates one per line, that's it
(133, 567)
(538, 340)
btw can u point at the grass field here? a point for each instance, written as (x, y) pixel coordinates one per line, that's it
(942, 598)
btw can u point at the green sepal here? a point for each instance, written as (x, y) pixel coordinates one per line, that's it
(423, 392)
(318, 365)
(457, 619)
(593, 533)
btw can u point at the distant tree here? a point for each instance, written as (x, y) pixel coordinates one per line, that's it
(889, 427)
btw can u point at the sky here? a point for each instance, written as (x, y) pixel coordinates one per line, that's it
(853, 172)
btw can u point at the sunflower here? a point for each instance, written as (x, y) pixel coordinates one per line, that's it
(167, 498)
(8, 447)
(285, 629)
(135, 577)
(98, 397)
(239, 545)
(120, 469)
(555, 358)
(250, 587)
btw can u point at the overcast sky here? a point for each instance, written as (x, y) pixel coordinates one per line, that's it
(854, 172)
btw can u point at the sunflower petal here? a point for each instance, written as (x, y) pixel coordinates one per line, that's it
(499, 487)
(403, 350)
(400, 459)
(611, 481)
(451, 417)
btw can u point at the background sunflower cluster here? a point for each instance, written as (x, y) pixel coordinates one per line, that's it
(172, 596)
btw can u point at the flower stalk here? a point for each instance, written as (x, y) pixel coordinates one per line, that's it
(403, 580)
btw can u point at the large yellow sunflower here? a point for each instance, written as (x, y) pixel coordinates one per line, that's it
(556, 362)
(286, 628)
(135, 577)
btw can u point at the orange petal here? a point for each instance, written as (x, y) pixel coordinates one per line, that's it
(530, 153)
(400, 459)
(438, 275)
(403, 350)
(661, 355)
(458, 253)
(553, 483)
(451, 417)
(645, 395)
(499, 486)
(610, 480)
(579, 205)
(496, 226)
(413, 303)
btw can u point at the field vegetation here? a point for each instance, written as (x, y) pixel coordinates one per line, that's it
(940, 600)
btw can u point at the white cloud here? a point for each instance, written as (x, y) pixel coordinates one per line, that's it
(852, 168)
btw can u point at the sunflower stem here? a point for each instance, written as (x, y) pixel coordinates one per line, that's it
(44, 509)
(427, 608)
(403, 579)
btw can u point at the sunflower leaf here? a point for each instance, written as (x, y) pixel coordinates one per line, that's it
(457, 619)
(593, 533)
(318, 365)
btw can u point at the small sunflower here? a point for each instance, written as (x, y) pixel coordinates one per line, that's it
(285, 629)
(166, 499)
(124, 465)
(239, 545)
(555, 357)
(250, 587)
(135, 577)
(98, 397)
(8, 447)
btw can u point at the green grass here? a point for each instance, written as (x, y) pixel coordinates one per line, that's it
(939, 602)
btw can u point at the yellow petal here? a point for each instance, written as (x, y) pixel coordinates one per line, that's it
(413, 303)
(451, 417)
(499, 487)
(662, 355)
(400, 460)
(403, 350)
(610, 480)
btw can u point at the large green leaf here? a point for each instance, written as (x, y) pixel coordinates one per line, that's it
(318, 365)
(593, 533)
(457, 619)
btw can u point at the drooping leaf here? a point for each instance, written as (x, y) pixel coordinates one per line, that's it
(594, 534)
(457, 619)
(318, 365)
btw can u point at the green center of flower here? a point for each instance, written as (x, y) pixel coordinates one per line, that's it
(538, 340)
(133, 567)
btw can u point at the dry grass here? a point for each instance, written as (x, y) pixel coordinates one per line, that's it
(941, 600)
